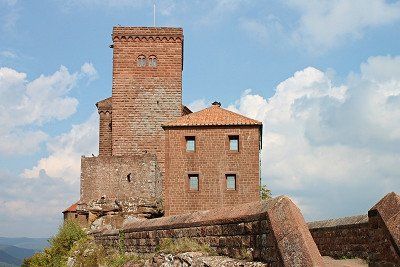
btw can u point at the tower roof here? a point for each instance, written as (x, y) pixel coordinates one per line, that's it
(214, 115)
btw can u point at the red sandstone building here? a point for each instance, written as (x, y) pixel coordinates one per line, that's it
(155, 156)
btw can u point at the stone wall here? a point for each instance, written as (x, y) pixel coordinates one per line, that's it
(374, 237)
(344, 237)
(211, 161)
(130, 180)
(271, 231)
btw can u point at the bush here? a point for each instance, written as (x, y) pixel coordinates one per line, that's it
(60, 245)
(265, 192)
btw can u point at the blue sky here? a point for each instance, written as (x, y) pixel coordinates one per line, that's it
(323, 76)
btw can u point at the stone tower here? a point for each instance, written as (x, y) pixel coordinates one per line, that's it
(147, 88)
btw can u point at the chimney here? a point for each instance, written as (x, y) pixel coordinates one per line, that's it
(216, 103)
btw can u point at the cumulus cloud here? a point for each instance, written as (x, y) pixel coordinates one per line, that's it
(333, 148)
(325, 24)
(198, 105)
(26, 105)
(23, 200)
(65, 152)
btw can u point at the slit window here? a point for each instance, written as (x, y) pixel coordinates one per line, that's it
(234, 142)
(193, 182)
(231, 181)
(190, 143)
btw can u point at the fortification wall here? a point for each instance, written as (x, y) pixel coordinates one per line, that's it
(272, 231)
(136, 179)
(374, 237)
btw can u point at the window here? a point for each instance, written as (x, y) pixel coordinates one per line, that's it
(190, 143)
(141, 61)
(193, 182)
(234, 142)
(152, 61)
(231, 181)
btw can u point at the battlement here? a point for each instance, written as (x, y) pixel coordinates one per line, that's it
(147, 33)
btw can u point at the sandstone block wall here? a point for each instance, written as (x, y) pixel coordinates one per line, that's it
(373, 237)
(133, 178)
(344, 237)
(271, 231)
(105, 127)
(211, 160)
(145, 97)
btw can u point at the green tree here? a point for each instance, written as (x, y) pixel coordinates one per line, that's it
(265, 192)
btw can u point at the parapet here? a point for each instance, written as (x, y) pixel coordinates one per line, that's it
(147, 33)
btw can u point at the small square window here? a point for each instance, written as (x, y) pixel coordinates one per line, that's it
(190, 143)
(234, 142)
(194, 182)
(231, 181)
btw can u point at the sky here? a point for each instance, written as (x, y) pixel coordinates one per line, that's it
(322, 76)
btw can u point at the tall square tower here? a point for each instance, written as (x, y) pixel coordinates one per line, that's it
(146, 89)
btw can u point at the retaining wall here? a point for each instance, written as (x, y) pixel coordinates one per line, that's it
(271, 231)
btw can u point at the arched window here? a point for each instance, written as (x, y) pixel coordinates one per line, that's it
(141, 61)
(152, 61)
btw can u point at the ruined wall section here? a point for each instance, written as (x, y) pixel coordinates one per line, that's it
(132, 181)
(144, 95)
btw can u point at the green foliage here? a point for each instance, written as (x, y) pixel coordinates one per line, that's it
(265, 192)
(87, 253)
(60, 245)
(174, 246)
(121, 243)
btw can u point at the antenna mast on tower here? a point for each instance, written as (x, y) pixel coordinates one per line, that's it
(154, 14)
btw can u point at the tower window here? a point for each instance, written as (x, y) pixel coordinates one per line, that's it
(193, 182)
(141, 61)
(234, 142)
(152, 61)
(231, 181)
(190, 143)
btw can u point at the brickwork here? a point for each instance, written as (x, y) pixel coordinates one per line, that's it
(133, 178)
(211, 160)
(144, 97)
(371, 237)
(345, 237)
(231, 231)
(105, 130)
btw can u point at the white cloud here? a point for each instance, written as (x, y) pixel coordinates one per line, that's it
(331, 146)
(8, 54)
(198, 105)
(37, 201)
(65, 152)
(326, 24)
(25, 104)
(89, 70)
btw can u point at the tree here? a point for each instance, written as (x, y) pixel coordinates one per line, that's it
(265, 192)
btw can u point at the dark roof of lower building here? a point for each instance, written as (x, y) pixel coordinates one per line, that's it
(72, 208)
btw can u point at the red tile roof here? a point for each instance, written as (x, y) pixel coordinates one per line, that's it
(72, 208)
(214, 115)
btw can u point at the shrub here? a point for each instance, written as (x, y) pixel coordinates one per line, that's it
(265, 192)
(60, 245)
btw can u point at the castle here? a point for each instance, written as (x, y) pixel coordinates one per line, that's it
(157, 157)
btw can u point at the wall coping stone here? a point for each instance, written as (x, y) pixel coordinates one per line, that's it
(345, 221)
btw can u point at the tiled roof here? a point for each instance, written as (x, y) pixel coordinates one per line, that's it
(72, 208)
(214, 115)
